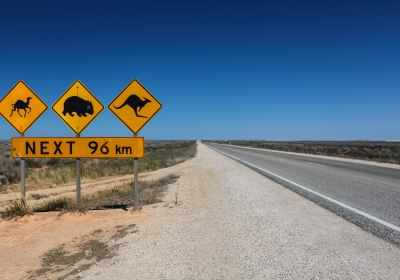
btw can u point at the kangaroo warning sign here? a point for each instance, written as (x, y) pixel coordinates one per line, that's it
(21, 107)
(135, 106)
(79, 147)
(77, 107)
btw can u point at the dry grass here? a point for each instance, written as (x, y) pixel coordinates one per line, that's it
(16, 209)
(118, 197)
(45, 173)
(68, 260)
(123, 196)
(37, 196)
(54, 256)
(58, 204)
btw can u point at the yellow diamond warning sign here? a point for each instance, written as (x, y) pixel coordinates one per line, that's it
(21, 107)
(135, 106)
(77, 107)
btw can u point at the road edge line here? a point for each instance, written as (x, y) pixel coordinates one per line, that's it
(334, 158)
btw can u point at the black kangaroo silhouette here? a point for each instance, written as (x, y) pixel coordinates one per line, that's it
(135, 103)
(21, 105)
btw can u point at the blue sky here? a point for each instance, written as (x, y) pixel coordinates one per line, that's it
(279, 70)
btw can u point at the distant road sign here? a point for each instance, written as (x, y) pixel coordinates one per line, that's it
(80, 147)
(21, 107)
(77, 107)
(135, 106)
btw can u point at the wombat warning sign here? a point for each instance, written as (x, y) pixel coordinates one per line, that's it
(77, 107)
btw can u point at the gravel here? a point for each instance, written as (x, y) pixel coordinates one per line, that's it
(233, 223)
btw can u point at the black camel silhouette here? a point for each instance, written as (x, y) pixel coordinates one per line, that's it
(21, 105)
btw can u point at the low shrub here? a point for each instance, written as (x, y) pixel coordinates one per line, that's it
(58, 204)
(37, 196)
(123, 196)
(16, 209)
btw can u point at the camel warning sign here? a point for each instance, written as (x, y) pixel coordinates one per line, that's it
(135, 106)
(77, 107)
(21, 107)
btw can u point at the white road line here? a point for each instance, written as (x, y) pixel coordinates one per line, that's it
(349, 160)
(357, 211)
(315, 164)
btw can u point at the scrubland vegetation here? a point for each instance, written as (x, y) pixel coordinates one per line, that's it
(42, 173)
(118, 197)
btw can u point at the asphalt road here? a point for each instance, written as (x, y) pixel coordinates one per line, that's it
(373, 190)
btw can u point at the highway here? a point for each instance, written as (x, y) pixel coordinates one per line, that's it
(366, 195)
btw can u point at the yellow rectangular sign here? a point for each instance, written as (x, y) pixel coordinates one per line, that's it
(78, 147)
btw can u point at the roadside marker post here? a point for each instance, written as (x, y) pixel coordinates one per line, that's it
(21, 107)
(23, 187)
(78, 181)
(136, 202)
(77, 107)
(135, 106)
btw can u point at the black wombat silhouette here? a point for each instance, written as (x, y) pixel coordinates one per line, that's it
(21, 105)
(135, 103)
(78, 105)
